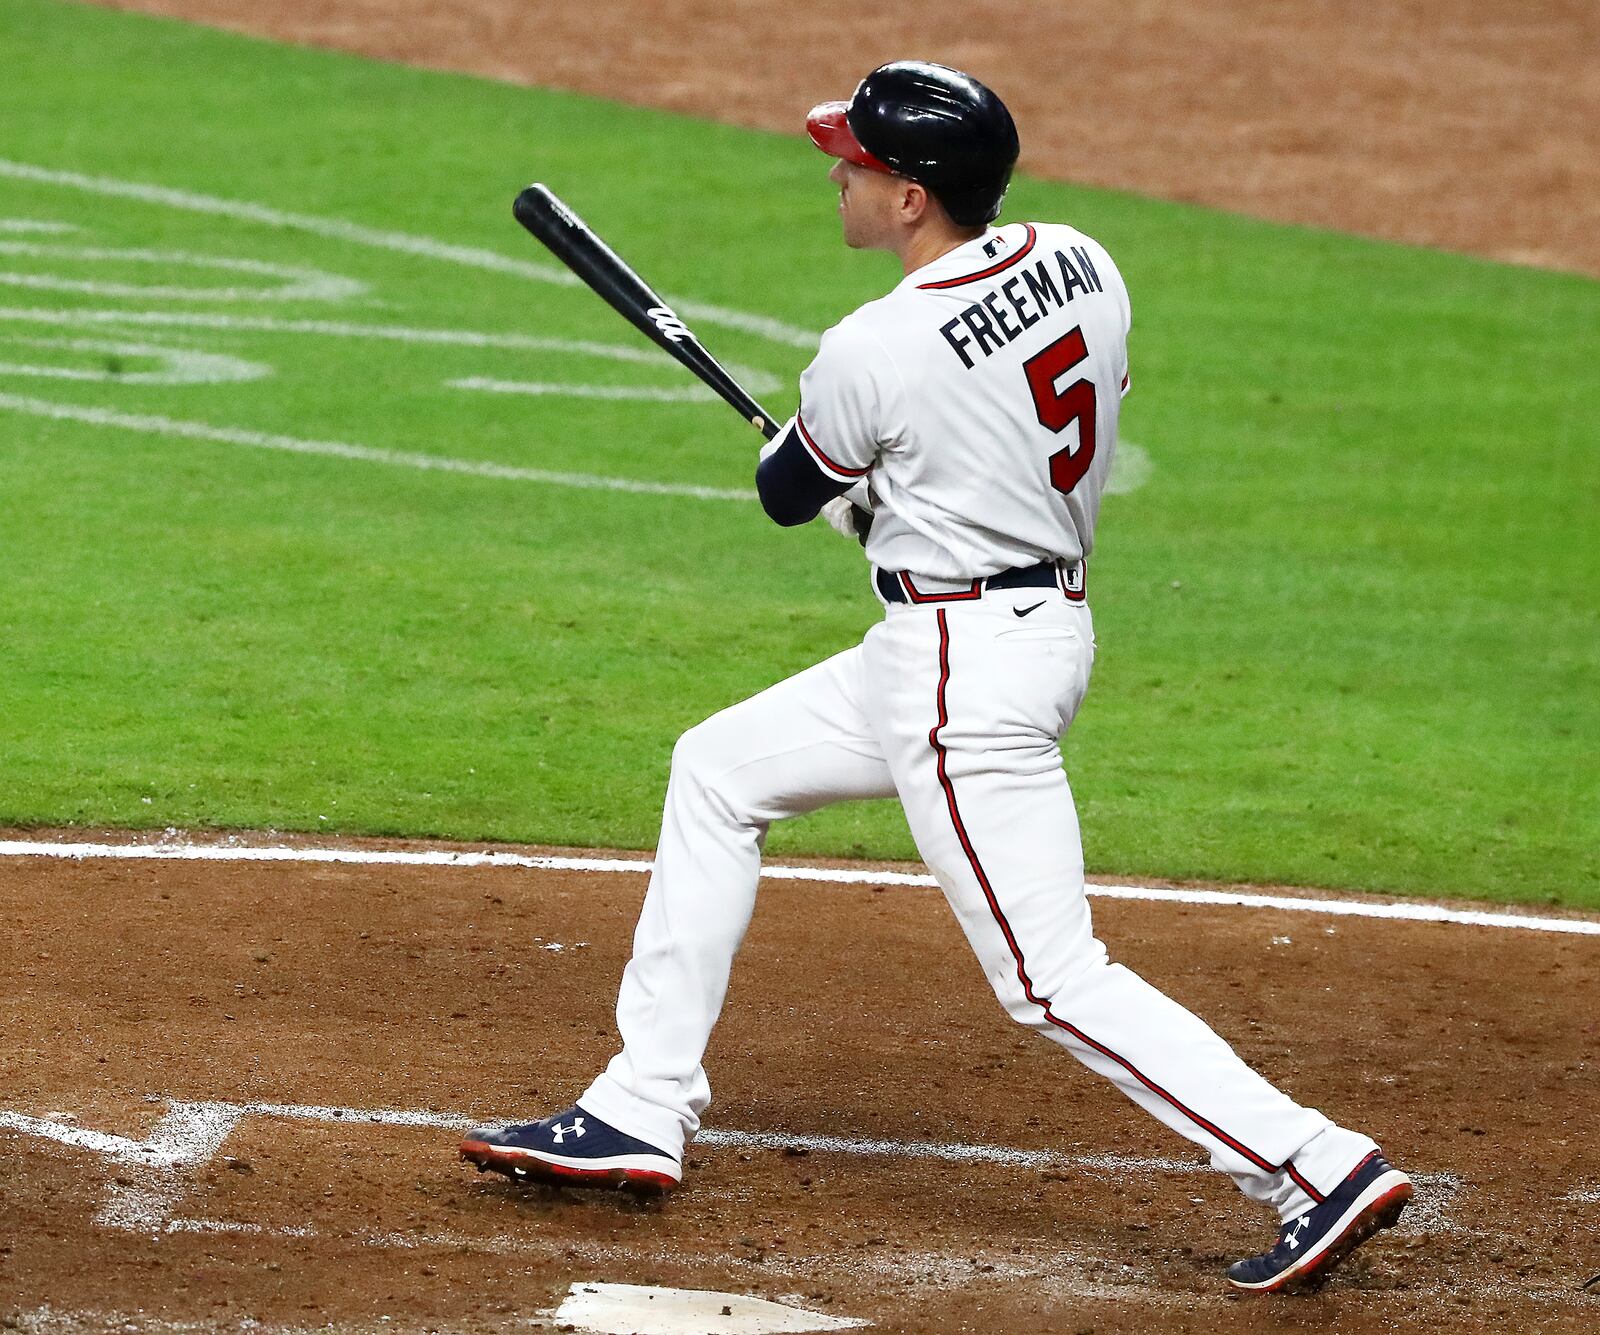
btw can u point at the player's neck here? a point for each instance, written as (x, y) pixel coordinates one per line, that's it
(927, 244)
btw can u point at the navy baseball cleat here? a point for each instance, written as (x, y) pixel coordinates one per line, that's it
(1371, 1198)
(574, 1149)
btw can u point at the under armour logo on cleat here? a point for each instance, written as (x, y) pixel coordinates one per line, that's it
(560, 1132)
(1300, 1225)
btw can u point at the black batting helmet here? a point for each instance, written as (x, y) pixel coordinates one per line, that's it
(931, 124)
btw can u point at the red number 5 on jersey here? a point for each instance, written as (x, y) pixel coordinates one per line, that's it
(1058, 408)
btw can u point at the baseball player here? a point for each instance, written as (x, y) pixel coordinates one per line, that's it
(964, 424)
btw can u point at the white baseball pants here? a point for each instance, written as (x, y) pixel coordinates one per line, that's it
(957, 709)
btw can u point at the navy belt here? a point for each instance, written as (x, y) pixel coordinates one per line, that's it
(896, 586)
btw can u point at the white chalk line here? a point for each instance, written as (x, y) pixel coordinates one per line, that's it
(377, 238)
(178, 366)
(233, 852)
(945, 1152)
(275, 324)
(57, 1320)
(154, 424)
(37, 227)
(193, 1132)
(188, 1134)
(296, 282)
(753, 378)
(539, 388)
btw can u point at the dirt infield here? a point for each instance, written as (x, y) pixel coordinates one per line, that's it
(239, 1021)
(1449, 123)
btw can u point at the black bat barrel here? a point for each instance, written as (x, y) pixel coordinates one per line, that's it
(575, 244)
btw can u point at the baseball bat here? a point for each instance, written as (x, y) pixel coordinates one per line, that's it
(575, 244)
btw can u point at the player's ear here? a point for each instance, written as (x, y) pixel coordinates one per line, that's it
(914, 201)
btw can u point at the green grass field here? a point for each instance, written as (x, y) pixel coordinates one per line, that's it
(1348, 624)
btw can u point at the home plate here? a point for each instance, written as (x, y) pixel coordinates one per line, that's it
(635, 1309)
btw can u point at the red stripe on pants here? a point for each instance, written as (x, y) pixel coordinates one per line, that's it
(1016, 951)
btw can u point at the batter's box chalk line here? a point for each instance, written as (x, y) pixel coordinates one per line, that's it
(154, 1174)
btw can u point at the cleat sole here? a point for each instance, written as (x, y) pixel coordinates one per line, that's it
(527, 1168)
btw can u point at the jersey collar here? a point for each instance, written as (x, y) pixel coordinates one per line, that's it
(997, 249)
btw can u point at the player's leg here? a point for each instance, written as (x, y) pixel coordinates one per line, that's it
(969, 704)
(797, 746)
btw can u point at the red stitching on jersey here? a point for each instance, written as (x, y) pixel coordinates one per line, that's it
(990, 272)
(818, 451)
(960, 596)
(1011, 940)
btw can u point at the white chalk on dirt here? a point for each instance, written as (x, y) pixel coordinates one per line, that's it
(156, 1174)
(186, 1135)
(634, 1309)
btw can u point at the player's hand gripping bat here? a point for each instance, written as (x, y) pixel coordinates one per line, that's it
(570, 241)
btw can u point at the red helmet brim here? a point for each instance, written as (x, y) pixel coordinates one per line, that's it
(830, 131)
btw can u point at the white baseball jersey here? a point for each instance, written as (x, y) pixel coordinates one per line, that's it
(979, 399)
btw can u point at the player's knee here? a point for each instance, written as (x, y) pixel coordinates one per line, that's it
(1052, 988)
(699, 763)
(691, 755)
(1022, 1008)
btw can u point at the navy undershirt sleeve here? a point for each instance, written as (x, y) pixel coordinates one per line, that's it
(791, 485)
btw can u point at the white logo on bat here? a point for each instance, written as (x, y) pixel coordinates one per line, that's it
(670, 325)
